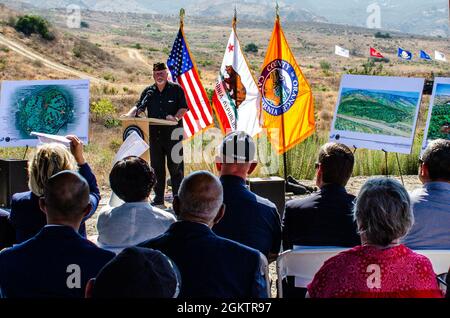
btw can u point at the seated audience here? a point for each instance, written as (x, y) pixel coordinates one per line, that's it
(136, 273)
(210, 266)
(7, 234)
(135, 221)
(26, 216)
(249, 219)
(324, 218)
(431, 203)
(57, 262)
(381, 267)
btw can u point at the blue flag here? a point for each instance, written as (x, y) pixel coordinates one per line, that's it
(424, 55)
(405, 55)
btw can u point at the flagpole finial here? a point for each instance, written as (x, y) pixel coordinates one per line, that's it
(277, 11)
(235, 17)
(182, 12)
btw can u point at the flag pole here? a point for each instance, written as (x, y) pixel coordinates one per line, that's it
(234, 18)
(277, 12)
(182, 12)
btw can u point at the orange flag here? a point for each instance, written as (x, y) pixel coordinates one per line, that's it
(287, 101)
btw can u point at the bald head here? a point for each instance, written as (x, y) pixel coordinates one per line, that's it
(66, 196)
(200, 197)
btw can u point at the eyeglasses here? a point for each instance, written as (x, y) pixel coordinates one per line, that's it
(420, 161)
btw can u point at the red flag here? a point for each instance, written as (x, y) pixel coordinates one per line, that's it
(375, 53)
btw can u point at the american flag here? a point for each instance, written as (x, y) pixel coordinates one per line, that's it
(184, 73)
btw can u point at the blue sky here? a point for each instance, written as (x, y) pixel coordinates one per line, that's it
(443, 89)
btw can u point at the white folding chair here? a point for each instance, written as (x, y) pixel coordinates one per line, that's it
(265, 271)
(303, 263)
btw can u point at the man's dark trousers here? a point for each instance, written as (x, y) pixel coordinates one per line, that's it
(161, 146)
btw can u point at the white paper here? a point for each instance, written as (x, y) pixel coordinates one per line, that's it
(439, 56)
(56, 107)
(134, 145)
(47, 138)
(440, 99)
(377, 112)
(341, 51)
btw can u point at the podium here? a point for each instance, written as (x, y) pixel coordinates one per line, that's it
(140, 125)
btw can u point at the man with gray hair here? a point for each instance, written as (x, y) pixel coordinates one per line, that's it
(250, 219)
(431, 203)
(210, 266)
(57, 262)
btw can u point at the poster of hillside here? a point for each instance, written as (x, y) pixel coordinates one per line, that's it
(438, 120)
(57, 107)
(377, 112)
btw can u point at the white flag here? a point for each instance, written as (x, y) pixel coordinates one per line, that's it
(236, 97)
(341, 51)
(439, 56)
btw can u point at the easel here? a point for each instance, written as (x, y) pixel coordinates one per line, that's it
(386, 163)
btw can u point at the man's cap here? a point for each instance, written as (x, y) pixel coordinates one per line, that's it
(237, 147)
(138, 272)
(159, 66)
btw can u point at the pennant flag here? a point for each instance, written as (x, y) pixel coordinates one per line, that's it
(424, 55)
(287, 101)
(438, 56)
(403, 54)
(375, 53)
(236, 98)
(341, 51)
(184, 72)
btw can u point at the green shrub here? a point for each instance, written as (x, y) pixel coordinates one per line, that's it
(29, 24)
(251, 48)
(109, 77)
(325, 66)
(76, 51)
(103, 112)
(382, 35)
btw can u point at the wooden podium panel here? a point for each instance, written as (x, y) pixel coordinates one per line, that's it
(141, 127)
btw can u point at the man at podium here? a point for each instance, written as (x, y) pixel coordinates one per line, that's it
(164, 100)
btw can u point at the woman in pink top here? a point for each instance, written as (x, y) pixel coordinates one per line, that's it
(381, 266)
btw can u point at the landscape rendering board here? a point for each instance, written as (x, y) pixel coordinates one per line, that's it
(377, 112)
(52, 107)
(438, 120)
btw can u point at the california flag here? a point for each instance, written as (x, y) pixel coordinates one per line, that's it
(236, 97)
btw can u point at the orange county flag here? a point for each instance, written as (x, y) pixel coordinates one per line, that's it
(236, 97)
(287, 101)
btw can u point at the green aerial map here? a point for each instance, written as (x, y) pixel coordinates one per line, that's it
(378, 112)
(43, 108)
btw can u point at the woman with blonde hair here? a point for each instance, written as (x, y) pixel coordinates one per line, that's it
(49, 159)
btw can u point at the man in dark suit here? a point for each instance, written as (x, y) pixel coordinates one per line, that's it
(210, 266)
(57, 262)
(325, 217)
(250, 219)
